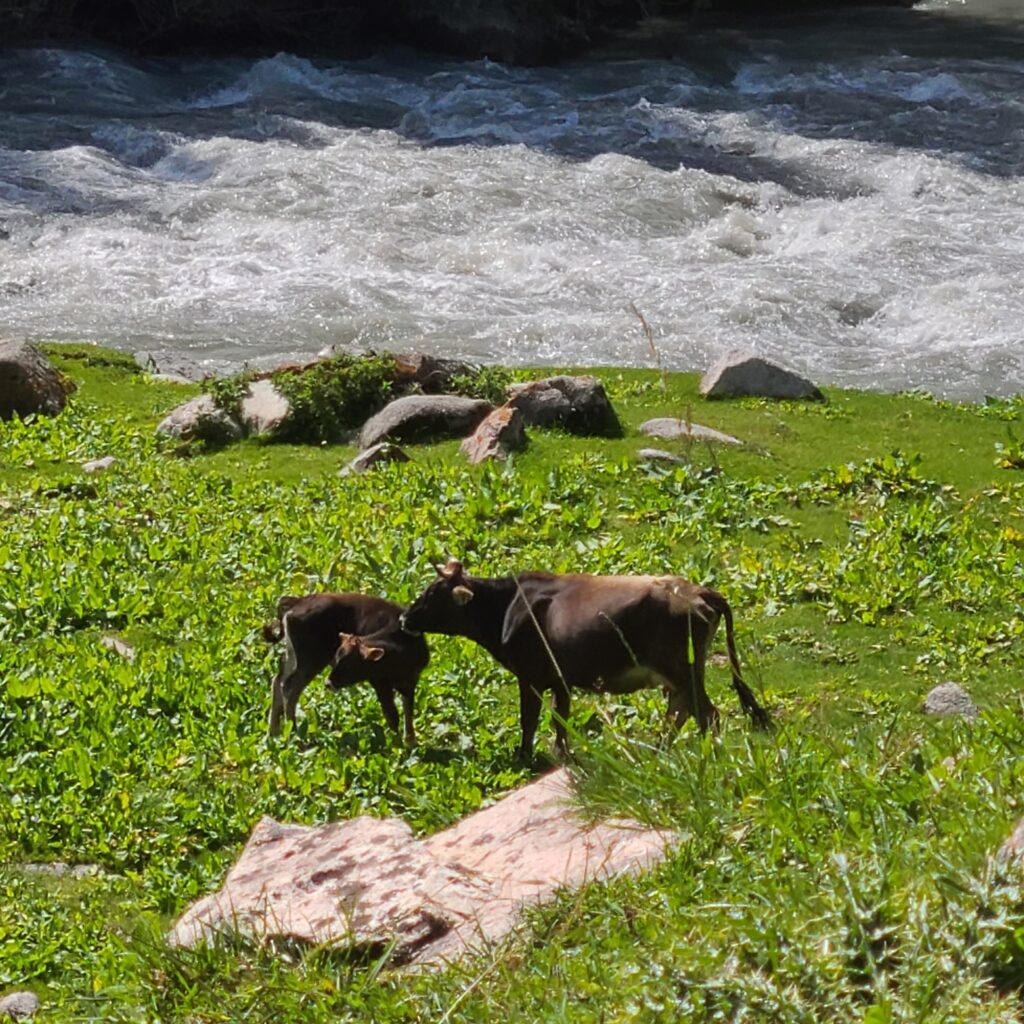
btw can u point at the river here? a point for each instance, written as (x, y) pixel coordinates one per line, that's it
(843, 195)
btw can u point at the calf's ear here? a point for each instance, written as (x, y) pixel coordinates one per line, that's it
(462, 595)
(372, 653)
(452, 569)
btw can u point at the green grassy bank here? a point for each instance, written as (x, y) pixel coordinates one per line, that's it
(836, 870)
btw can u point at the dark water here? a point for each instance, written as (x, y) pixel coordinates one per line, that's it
(844, 195)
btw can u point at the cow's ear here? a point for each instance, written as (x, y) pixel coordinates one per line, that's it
(452, 570)
(462, 595)
(373, 653)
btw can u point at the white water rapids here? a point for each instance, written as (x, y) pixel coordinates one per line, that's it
(844, 196)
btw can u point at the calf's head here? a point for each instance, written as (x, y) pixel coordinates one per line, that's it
(441, 608)
(352, 661)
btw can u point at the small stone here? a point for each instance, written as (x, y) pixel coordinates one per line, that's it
(99, 465)
(951, 699)
(659, 455)
(500, 434)
(19, 1005)
(742, 374)
(668, 427)
(376, 455)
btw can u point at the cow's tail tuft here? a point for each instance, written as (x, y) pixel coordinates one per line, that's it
(748, 701)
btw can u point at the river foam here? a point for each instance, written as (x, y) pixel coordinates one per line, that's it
(856, 216)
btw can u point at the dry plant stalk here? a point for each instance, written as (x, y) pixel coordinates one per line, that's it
(649, 335)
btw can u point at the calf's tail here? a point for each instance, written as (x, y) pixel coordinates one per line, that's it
(274, 631)
(748, 701)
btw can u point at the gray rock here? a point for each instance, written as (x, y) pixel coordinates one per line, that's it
(376, 455)
(201, 419)
(29, 383)
(589, 412)
(951, 699)
(668, 427)
(424, 418)
(743, 374)
(497, 436)
(99, 465)
(541, 404)
(263, 408)
(19, 1005)
(170, 378)
(369, 882)
(658, 455)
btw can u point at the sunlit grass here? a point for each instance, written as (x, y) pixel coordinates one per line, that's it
(839, 869)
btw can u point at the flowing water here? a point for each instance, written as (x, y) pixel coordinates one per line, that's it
(843, 195)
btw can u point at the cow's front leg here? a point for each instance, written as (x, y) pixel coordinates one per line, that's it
(680, 707)
(386, 698)
(408, 696)
(529, 715)
(560, 707)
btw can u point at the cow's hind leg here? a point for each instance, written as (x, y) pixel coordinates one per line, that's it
(292, 678)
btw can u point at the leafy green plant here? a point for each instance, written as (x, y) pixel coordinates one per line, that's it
(334, 395)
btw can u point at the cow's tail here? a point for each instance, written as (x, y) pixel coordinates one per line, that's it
(749, 702)
(274, 631)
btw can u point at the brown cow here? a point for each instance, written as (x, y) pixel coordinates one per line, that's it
(612, 634)
(311, 627)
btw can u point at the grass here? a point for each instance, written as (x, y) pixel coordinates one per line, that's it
(840, 869)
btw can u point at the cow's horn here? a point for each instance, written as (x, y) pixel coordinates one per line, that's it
(462, 595)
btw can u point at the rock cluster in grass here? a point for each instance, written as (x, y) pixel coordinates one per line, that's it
(29, 383)
(432, 412)
(367, 883)
(421, 401)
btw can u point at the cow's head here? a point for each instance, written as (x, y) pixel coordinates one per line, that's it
(349, 664)
(441, 608)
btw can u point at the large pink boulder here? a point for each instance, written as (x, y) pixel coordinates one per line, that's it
(366, 883)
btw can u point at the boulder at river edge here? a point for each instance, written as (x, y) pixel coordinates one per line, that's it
(29, 383)
(424, 418)
(201, 419)
(742, 374)
(579, 404)
(366, 883)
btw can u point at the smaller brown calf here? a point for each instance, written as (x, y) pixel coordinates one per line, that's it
(391, 662)
(310, 627)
